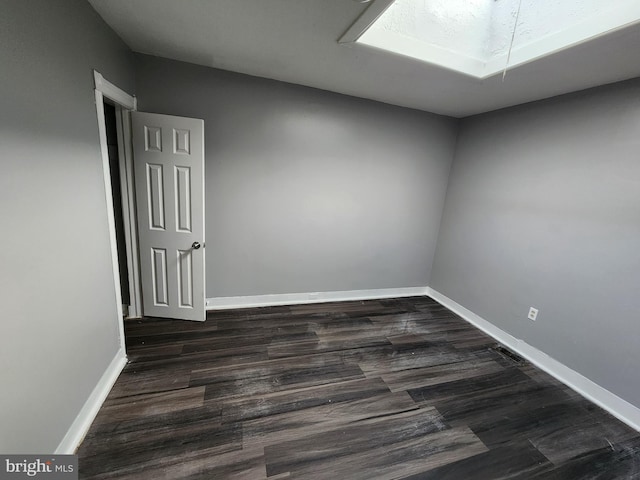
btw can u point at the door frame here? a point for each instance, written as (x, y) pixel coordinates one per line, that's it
(124, 104)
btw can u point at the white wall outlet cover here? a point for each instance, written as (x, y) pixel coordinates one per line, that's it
(533, 313)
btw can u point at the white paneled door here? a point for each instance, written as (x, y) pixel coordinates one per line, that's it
(169, 178)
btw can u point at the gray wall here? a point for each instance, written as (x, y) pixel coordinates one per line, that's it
(307, 190)
(59, 327)
(543, 209)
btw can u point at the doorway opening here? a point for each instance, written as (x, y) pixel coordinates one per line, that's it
(111, 124)
(117, 138)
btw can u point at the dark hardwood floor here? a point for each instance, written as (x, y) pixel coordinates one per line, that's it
(399, 388)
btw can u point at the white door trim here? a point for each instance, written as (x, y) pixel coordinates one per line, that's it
(110, 91)
(105, 89)
(125, 152)
(102, 129)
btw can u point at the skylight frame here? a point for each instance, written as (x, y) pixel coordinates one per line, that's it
(607, 22)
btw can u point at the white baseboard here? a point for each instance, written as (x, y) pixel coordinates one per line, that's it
(87, 415)
(593, 392)
(222, 303)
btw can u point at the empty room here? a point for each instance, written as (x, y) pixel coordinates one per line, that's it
(320, 239)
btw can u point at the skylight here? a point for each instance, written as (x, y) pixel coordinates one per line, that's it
(474, 37)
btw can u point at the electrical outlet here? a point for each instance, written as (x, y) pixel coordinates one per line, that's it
(533, 314)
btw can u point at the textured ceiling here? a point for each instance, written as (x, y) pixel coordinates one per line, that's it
(296, 41)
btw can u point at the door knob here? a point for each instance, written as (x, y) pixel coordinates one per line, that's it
(195, 245)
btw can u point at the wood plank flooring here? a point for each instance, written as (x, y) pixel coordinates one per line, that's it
(385, 389)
